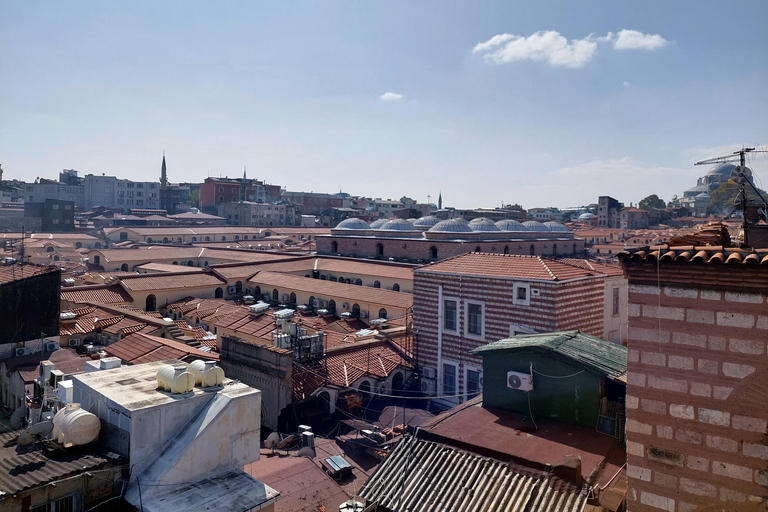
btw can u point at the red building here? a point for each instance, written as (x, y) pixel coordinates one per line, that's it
(216, 191)
(697, 379)
(464, 302)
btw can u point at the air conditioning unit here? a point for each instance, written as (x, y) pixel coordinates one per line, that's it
(249, 291)
(327, 276)
(316, 303)
(363, 314)
(345, 306)
(428, 387)
(429, 372)
(231, 289)
(50, 346)
(321, 303)
(383, 389)
(24, 351)
(520, 381)
(286, 297)
(75, 342)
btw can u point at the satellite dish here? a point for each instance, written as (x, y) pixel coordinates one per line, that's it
(741, 173)
(17, 418)
(306, 451)
(35, 432)
(272, 440)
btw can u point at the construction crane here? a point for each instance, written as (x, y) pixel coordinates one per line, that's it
(741, 176)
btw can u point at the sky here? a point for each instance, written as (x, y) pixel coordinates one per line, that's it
(547, 103)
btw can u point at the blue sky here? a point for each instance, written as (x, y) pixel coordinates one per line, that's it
(538, 103)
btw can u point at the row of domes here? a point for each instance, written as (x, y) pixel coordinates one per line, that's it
(457, 225)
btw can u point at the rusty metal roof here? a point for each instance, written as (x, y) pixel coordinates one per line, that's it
(424, 476)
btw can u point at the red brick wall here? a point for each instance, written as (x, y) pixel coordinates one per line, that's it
(574, 305)
(697, 394)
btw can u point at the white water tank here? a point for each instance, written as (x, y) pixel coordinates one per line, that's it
(206, 373)
(175, 379)
(73, 426)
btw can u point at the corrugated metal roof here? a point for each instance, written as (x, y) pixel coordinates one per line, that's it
(424, 476)
(595, 353)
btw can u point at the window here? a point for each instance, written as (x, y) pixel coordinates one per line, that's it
(521, 294)
(66, 504)
(382, 313)
(449, 314)
(474, 319)
(616, 294)
(376, 284)
(379, 250)
(395, 287)
(55, 206)
(449, 379)
(474, 382)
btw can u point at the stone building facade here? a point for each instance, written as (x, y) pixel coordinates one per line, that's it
(465, 302)
(697, 375)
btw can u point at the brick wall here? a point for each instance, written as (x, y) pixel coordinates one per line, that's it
(574, 305)
(697, 394)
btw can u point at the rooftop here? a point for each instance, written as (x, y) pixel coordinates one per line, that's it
(11, 273)
(599, 356)
(140, 348)
(168, 280)
(508, 266)
(107, 294)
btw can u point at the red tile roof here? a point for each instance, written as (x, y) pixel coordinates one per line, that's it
(142, 348)
(698, 254)
(600, 268)
(508, 266)
(108, 294)
(11, 273)
(148, 282)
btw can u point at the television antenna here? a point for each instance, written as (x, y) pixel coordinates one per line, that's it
(741, 176)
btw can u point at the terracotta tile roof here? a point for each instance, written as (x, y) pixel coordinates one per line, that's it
(163, 267)
(147, 282)
(108, 294)
(11, 273)
(349, 292)
(251, 325)
(153, 253)
(508, 266)
(143, 348)
(698, 254)
(600, 268)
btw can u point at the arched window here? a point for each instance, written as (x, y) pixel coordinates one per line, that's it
(506, 249)
(56, 258)
(207, 239)
(49, 248)
(151, 303)
(245, 237)
(293, 298)
(379, 250)
(123, 235)
(194, 239)
(219, 293)
(307, 275)
(165, 240)
(97, 260)
(433, 252)
(311, 302)
(554, 249)
(97, 245)
(382, 313)
(376, 284)
(275, 294)
(334, 247)
(124, 267)
(206, 263)
(237, 237)
(323, 278)
(365, 389)
(239, 287)
(223, 239)
(178, 240)
(356, 310)
(477, 249)
(359, 282)
(78, 245)
(397, 382)
(175, 262)
(149, 240)
(332, 306)
(395, 287)
(533, 250)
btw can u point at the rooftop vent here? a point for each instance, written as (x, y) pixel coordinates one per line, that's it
(67, 316)
(259, 308)
(284, 314)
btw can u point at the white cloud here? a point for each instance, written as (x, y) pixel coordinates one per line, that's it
(634, 40)
(391, 96)
(551, 47)
(547, 46)
(627, 85)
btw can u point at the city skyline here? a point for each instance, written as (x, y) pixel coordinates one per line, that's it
(545, 105)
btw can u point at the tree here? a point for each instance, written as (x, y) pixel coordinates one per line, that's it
(194, 198)
(652, 202)
(722, 199)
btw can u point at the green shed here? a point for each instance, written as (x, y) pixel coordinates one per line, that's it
(568, 376)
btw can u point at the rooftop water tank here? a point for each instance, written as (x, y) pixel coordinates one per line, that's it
(73, 426)
(206, 373)
(175, 379)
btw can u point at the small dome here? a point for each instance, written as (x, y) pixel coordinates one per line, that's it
(586, 216)
(510, 225)
(397, 225)
(533, 225)
(703, 195)
(426, 222)
(353, 223)
(483, 224)
(556, 226)
(451, 226)
(378, 223)
(721, 169)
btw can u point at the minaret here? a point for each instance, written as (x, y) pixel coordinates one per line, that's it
(163, 175)
(440, 201)
(244, 178)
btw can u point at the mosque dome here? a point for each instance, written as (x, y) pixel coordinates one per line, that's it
(353, 223)
(483, 224)
(721, 169)
(451, 226)
(397, 225)
(411, 221)
(586, 216)
(426, 222)
(533, 225)
(378, 223)
(510, 225)
(556, 226)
